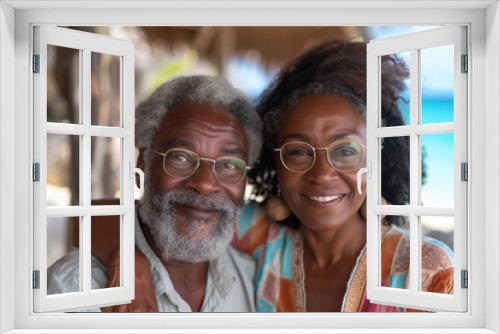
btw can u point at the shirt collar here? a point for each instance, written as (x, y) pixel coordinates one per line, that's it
(220, 280)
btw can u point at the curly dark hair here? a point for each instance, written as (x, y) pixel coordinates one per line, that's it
(336, 68)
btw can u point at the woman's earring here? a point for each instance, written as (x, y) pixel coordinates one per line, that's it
(276, 208)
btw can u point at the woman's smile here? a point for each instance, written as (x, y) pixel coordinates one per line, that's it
(323, 200)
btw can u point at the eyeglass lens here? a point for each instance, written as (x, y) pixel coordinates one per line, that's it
(182, 163)
(298, 156)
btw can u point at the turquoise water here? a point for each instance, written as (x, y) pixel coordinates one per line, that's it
(435, 109)
(438, 151)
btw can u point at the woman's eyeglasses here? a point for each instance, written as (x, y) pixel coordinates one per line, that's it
(179, 162)
(343, 155)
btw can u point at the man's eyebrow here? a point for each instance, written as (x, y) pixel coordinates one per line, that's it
(232, 149)
(176, 142)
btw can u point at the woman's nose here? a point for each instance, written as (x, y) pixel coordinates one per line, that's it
(322, 170)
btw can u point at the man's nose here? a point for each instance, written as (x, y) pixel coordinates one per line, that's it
(203, 179)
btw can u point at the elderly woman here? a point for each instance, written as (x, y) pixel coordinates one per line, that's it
(309, 239)
(309, 243)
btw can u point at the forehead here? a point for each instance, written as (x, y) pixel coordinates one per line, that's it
(322, 115)
(192, 121)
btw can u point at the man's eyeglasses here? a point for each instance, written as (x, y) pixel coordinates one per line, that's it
(179, 162)
(343, 155)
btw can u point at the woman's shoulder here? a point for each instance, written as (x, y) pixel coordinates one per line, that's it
(254, 228)
(254, 215)
(436, 255)
(436, 260)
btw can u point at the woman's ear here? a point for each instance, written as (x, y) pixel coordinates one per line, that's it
(362, 210)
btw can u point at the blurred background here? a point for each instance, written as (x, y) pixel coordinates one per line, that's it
(248, 57)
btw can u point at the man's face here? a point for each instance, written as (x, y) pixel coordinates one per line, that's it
(198, 207)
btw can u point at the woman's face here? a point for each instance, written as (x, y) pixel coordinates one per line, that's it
(322, 197)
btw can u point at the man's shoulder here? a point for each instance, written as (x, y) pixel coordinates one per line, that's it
(241, 260)
(63, 275)
(244, 267)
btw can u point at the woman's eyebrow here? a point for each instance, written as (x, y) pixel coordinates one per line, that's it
(343, 134)
(300, 136)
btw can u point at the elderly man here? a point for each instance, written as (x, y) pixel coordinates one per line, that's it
(196, 136)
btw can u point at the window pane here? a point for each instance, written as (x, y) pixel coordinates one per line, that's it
(395, 252)
(437, 152)
(395, 170)
(437, 253)
(105, 238)
(63, 84)
(61, 253)
(105, 89)
(436, 84)
(106, 155)
(390, 63)
(63, 170)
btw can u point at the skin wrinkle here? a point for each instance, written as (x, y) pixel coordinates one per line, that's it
(215, 92)
(194, 128)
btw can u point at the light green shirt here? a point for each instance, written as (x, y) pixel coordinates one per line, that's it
(229, 281)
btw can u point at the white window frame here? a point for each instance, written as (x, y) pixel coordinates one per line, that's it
(16, 20)
(412, 43)
(84, 43)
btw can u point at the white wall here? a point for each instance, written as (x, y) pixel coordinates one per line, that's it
(7, 167)
(493, 162)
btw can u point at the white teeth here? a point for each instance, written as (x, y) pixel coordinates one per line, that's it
(323, 198)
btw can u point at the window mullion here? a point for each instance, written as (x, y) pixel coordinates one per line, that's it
(414, 171)
(85, 228)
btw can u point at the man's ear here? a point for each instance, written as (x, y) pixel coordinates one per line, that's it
(140, 160)
(140, 164)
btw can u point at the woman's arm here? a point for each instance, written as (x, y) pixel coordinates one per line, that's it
(106, 247)
(145, 297)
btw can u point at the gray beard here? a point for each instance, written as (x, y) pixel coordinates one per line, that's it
(158, 213)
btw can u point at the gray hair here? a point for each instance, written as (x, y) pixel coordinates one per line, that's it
(193, 90)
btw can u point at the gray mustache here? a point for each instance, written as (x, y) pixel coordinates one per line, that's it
(191, 198)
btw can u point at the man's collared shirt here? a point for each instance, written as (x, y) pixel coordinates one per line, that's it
(229, 280)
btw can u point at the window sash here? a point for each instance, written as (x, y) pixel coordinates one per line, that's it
(85, 43)
(412, 297)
